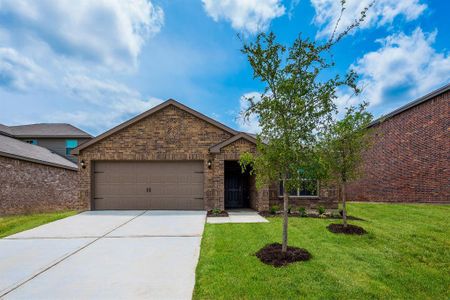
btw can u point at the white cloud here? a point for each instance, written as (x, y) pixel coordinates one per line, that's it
(104, 103)
(250, 16)
(404, 67)
(106, 32)
(381, 13)
(251, 124)
(18, 72)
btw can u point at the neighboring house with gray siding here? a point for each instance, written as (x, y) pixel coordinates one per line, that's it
(34, 179)
(60, 138)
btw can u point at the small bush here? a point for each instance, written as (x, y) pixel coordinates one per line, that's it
(336, 214)
(321, 210)
(216, 211)
(274, 208)
(302, 211)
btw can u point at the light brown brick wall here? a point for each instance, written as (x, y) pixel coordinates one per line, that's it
(409, 159)
(27, 187)
(259, 199)
(169, 134)
(172, 134)
(328, 198)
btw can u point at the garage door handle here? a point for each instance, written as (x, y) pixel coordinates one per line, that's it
(149, 190)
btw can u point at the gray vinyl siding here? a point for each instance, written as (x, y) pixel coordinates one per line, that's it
(57, 145)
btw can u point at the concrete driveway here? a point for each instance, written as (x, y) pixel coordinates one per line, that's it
(104, 255)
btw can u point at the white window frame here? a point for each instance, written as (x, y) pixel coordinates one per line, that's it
(298, 191)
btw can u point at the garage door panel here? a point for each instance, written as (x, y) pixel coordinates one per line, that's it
(124, 189)
(148, 185)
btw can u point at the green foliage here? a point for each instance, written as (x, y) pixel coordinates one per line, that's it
(274, 209)
(216, 211)
(296, 105)
(321, 210)
(344, 142)
(290, 209)
(302, 211)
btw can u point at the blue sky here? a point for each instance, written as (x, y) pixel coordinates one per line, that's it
(97, 63)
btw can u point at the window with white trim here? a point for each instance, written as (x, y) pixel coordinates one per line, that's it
(308, 188)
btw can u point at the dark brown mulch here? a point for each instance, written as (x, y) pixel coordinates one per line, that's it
(271, 255)
(221, 214)
(350, 229)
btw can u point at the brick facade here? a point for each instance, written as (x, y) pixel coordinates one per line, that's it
(409, 157)
(327, 198)
(28, 187)
(172, 133)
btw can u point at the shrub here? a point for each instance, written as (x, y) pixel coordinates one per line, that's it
(290, 209)
(321, 210)
(274, 209)
(302, 211)
(216, 211)
(336, 214)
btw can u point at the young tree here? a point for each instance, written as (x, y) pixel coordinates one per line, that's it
(295, 106)
(343, 146)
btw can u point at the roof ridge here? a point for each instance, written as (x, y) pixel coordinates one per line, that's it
(18, 149)
(417, 101)
(149, 112)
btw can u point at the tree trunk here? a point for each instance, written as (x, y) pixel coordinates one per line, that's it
(344, 206)
(285, 217)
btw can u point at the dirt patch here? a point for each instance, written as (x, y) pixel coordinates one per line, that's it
(350, 229)
(217, 214)
(272, 255)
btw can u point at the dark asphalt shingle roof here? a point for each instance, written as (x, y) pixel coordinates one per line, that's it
(10, 147)
(412, 104)
(46, 130)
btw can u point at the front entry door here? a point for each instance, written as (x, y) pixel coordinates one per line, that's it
(236, 186)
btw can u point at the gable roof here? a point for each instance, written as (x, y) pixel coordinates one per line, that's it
(242, 135)
(48, 130)
(12, 148)
(149, 112)
(412, 104)
(5, 130)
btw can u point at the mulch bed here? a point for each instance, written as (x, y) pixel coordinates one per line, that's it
(298, 215)
(271, 255)
(221, 214)
(350, 229)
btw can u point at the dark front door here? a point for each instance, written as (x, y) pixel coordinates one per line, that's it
(236, 186)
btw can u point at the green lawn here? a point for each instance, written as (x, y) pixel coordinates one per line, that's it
(405, 255)
(14, 224)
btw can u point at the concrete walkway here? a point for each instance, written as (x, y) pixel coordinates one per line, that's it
(104, 255)
(238, 216)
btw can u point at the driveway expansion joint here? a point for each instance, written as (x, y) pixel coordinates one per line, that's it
(15, 287)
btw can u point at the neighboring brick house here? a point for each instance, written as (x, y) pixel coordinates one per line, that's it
(173, 157)
(409, 157)
(33, 179)
(60, 138)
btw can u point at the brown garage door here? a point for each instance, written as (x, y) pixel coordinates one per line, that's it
(148, 185)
